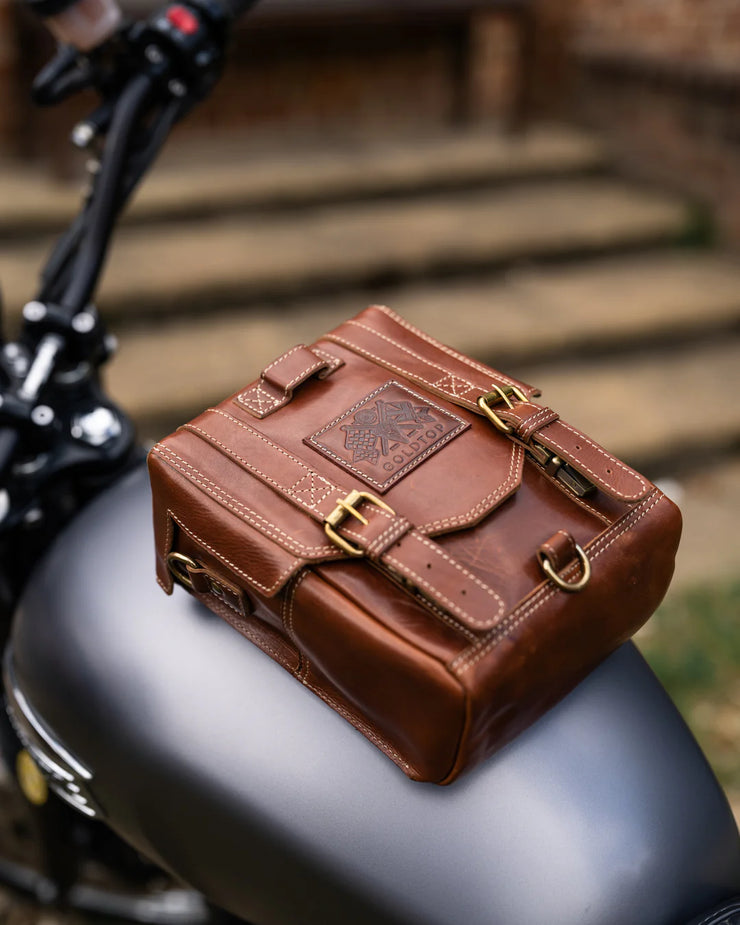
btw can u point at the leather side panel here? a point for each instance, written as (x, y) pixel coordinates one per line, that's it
(552, 640)
(407, 698)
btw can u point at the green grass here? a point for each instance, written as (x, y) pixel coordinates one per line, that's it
(693, 645)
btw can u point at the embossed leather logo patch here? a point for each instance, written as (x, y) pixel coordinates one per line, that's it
(387, 434)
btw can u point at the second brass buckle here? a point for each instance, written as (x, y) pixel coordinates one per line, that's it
(347, 507)
(498, 395)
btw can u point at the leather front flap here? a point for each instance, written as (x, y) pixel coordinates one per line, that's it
(230, 514)
(440, 466)
(259, 491)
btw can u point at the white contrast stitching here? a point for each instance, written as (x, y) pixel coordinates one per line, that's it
(265, 402)
(549, 548)
(473, 364)
(422, 583)
(397, 528)
(361, 725)
(246, 513)
(452, 385)
(608, 456)
(312, 490)
(285, 356)
(288, 612)
(443, 369)
(467, 659)
(309, 370)
(386, 364)
(274, 446)
(413, 463)
(235, 568)
(252, 468)
(484, 587)
(457, 519)
(250, 632)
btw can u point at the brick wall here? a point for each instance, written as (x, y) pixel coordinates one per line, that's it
(380, 77)
(661, 79)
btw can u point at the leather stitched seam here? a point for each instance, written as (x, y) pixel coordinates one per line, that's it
(573, 498)
(417, 356)
(484, 587)
(455, 624)
(428, 586)
(265, 401)
(387, 364)
(285, 356)
(396, 529)
(263, 475)
(314, 367)
(536, 421)
(361, 725)
(422, 583)
(294, 491)
(333, 363)
(287, 618)
(268, 590)
(289, 456)
(246, 513)
(468, 659)
(608, 456)
(250, 633)
(448, 619)
(464, 518)
(467, 361)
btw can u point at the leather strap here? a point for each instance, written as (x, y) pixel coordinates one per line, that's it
(277, 381)
(386, 538)
(419, 358)
(534, 423)
(386, 339)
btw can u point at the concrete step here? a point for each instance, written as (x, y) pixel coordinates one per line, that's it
(660, 412)
(636, 402)
(204, 178)
(231, 260)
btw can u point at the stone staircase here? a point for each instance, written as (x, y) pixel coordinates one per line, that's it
(526, 252)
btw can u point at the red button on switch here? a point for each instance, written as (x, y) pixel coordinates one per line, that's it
(182, 19)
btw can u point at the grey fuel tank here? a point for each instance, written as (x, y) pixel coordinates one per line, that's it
(206, 756)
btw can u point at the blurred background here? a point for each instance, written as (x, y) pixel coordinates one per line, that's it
(552, 186)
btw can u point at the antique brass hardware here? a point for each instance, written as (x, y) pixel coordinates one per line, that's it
(348, 507)
(572, 587)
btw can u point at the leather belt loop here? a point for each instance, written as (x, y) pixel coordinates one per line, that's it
(278, 381)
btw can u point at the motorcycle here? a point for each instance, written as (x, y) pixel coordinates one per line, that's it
(148, 736)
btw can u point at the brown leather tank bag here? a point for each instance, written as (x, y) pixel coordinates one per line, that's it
(413, 536)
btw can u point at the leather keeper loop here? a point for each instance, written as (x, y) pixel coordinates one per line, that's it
(527, 418)
(559, 550)
(278, 381)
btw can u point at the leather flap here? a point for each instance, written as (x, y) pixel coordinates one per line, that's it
(231, 514)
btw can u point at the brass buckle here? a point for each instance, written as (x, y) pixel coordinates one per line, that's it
(347, 507)
(178, 564)
(570, 586)
(498, 395)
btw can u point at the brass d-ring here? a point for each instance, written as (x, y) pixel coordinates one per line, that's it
(178, 564)
(570, 586)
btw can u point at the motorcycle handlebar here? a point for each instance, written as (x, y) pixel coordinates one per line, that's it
(88, 23)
